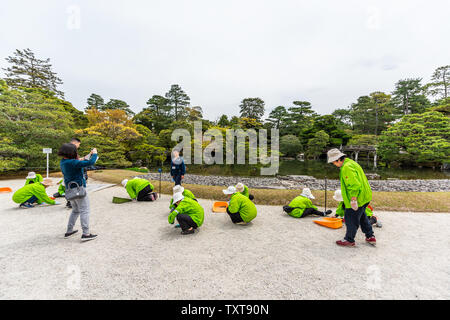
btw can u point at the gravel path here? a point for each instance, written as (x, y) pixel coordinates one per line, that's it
(138, 255)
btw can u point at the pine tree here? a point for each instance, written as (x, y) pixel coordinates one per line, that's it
(30, 72)
(178, 100)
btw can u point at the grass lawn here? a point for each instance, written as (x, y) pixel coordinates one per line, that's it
(386, 201)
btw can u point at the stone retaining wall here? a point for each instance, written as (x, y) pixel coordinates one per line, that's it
(299, 182)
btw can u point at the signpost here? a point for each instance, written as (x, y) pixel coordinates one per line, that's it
(160, 172)
(47, 151)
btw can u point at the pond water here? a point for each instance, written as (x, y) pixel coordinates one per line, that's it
(317, 169)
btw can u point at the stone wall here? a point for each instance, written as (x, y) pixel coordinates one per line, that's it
(299, 182)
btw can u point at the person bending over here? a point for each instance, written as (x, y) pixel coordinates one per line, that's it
(185, 192)
(243, 189)
(33, 193)
(32, 177)
(140, 189)
(241, 209)
(188, 212)
(302, 206)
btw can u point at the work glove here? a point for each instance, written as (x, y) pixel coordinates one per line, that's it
(57, 202)
(354, 205)
(134, 200)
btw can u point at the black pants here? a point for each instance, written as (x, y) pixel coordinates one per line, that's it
(353, 219)
(235, 217)
(185, 221)
(177, 179)
(311, 211)
(144, 194)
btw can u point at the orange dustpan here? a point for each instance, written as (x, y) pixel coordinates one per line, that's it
(220, 206)
(333, 223)
(5, 189)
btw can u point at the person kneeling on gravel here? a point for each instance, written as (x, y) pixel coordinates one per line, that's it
(33, 193)
(341, 209)
(188, 212)
(243, 189)
(302, 206)
(140, 189)
(240, 208)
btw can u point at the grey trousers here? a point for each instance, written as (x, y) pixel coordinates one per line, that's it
(80, 207)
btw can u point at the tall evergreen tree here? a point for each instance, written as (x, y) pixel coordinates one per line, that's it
(30, 72)
(409, 97)
(95, 101)
(116, 104)
(440, 82)
(178, 100)
(252, 108)
(278, 116)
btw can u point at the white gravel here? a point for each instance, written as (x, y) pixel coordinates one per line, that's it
(138, 255)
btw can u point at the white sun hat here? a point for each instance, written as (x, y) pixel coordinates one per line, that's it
(178, 189)
(177, 197)
(230, 190)
(240, 187)
(338, 195)
(334, 154)
(124, 182)
(31, 175)
(307, 193)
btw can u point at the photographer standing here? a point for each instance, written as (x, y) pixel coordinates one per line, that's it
(72, 169)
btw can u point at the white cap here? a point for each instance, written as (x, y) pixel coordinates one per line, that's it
(124, 182)
(177, 197)
(334, 154)
(178, 189)
(307, 193)
(338, 196)
(230, 190)
(31, 175)
(240, 187)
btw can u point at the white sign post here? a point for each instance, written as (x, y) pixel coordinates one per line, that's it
(47, 151)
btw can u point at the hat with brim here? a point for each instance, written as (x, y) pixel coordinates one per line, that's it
(178, 188)
(307, 193)
(338, 196)
(31, 175)
(47, 182)
(177, 197)
(334, 154)
(124, 182)
(229, 190)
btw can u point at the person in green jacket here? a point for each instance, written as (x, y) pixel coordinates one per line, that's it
(185, 192)
(243, 189)
(188, 212)
(302, 206)
(61, 189)
(33, 193)
(32, 177)
(140, 189)
(240, 208)
(356, 194)
(341, 209)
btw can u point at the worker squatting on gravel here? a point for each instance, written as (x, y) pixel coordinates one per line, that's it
(33, 193)
(302, 206)
(140, 189)
(356, 194)
(241, 209)
(188, 212)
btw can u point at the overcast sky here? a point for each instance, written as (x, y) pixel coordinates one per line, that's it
(219, 52)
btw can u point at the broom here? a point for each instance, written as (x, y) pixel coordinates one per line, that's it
(120, 200)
